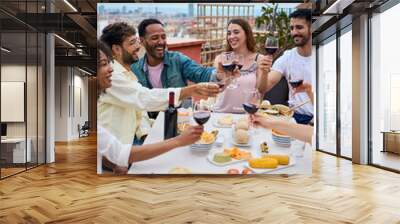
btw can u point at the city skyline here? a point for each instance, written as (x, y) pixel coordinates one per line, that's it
(168, 8)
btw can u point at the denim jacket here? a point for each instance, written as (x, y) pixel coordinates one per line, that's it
(178, 69)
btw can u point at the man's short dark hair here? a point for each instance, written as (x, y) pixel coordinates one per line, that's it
(145, 23)
(116, 33)
(301, 14)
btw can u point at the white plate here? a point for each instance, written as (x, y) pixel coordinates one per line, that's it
(280, 167)
(210, 157)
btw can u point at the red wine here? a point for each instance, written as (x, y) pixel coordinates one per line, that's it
(221, 84)
(201, 117)
(239, 66)
(250, 108)
(296, 83)
(171, 118)
(229, 67)
(271, 50)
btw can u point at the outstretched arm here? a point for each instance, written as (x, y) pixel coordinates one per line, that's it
(298, 131)
(119, 156)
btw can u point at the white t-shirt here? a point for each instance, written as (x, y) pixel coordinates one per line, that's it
(109, 147)
(292, 64)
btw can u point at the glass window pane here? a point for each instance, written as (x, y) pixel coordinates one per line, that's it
(346, 94)
(13, 86)
(41, 98)
(327, 97)
(31, 97)
(385, 86)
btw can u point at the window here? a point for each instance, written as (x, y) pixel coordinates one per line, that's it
(327, 96)
(385, 89)
(346, 94)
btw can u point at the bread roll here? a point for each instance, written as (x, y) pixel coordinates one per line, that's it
(242, 125)
(241, 136)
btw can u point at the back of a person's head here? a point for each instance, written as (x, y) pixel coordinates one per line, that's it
(116, 33)
(301, 14)
(145, 23)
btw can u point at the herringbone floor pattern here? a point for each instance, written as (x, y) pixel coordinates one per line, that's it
(70, 191)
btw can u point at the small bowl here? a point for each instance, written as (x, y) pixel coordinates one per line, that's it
(281, 140)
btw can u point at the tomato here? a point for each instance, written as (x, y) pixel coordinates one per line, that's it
(246, 171)
(233, 171)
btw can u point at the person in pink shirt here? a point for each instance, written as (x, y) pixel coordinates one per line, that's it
(240, 40)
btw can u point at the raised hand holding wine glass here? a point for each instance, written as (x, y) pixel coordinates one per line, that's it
(229, 62)
(271, 44)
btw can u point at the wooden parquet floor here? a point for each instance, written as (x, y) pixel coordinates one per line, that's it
(70, 191)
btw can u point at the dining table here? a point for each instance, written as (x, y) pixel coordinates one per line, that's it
(199, 162)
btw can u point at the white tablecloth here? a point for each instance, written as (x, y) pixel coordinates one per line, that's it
(197, 162)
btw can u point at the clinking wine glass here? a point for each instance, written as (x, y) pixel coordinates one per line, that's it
(228, 59)
(229, 64)
(295, 82)
(271, 44)
(201, 113)
(239, 58)
(252, 102)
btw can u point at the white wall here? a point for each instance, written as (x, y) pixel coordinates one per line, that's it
(71, 94)
(12, 73)
(61, 103)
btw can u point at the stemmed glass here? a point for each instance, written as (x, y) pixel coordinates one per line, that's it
(229, 64)
(271, 44)
(201, 113)
(239, 58)
(294, 81)
(252, 103)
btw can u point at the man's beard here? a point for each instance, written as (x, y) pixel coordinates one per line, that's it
(128, 58)
(303, 42)
(154, 53)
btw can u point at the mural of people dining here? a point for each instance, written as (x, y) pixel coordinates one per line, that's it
(214, 88)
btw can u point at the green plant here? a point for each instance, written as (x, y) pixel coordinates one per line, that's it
(272, 20)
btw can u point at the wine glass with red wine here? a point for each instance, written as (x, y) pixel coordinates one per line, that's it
(229, 64)
(252, 101)
(228, 59)
(239, 60)
(201, 113)
(295, 81)
(271, 45)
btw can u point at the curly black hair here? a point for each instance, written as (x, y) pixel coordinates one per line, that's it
(101, 46)
(115, 34)
(145, 23)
